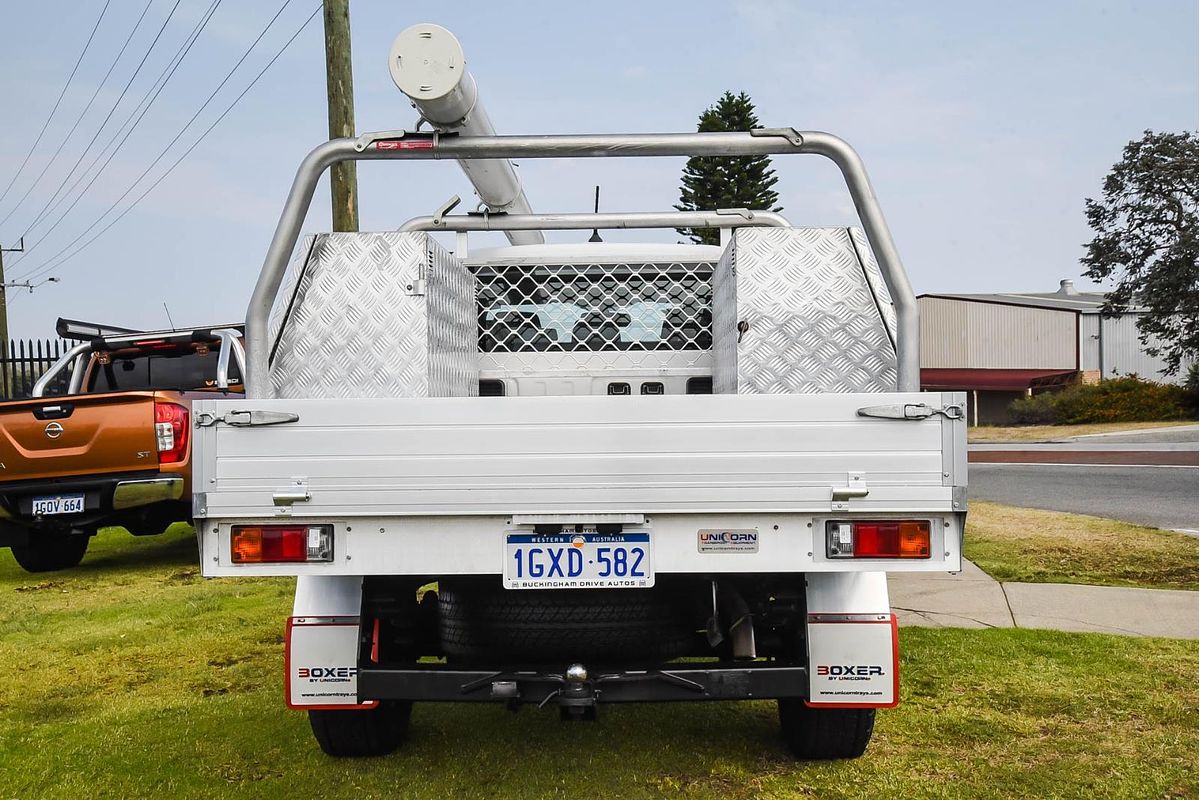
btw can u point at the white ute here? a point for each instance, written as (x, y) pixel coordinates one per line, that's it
(572, 475)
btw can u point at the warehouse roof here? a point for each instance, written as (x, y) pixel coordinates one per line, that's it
(1067, 298)
(992, 379)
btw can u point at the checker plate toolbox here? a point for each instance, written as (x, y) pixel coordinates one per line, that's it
(544, 473)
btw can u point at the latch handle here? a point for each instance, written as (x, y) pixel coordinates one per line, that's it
(246, 419)
(915, 411)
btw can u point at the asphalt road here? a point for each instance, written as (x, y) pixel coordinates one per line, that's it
(1164, 497)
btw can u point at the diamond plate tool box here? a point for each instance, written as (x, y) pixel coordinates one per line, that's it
(389, 314)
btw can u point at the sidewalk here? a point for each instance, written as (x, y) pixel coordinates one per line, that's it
(973, 599)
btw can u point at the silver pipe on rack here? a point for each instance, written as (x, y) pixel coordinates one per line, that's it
(722, 218)
(427, 64)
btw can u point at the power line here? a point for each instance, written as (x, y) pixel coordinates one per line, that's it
(111, 111)
(37, 139)
(58, 151)
(122, 132)
(52, 263)
(172, 140)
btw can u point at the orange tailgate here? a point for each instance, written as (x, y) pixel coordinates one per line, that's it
(58, 437)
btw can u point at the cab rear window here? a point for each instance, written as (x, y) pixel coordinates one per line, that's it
(184, 370)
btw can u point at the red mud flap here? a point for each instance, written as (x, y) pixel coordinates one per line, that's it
(320, 663)
(854, 661)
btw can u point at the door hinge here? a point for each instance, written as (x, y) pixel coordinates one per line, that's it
(246, 419)
(856, 486)
(911, 411)
(297, 492)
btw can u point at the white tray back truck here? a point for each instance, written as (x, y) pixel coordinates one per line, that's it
(580, 474)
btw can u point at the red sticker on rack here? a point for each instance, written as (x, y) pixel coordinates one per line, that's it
(418, 144)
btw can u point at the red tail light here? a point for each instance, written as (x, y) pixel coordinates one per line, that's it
(261, 544)
(171, 432)
(902, 538)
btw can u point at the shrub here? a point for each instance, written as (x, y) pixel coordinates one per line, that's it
(1040, 409)
(1128, 399)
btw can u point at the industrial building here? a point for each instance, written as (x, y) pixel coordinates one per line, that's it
(998, 347)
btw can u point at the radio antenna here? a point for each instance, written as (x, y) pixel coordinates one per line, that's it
(596, 210)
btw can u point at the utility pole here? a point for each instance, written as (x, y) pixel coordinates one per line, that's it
(20, 248)
(339, 83)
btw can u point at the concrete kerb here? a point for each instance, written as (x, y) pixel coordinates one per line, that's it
(973, 599)
(1135, 432)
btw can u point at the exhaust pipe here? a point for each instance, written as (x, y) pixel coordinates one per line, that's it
(427, 64)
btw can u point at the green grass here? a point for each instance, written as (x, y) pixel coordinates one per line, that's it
(1032, 546)
(133, 677)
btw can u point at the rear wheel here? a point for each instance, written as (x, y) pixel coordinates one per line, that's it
(50, 552)
(822, 734)
(361, 732)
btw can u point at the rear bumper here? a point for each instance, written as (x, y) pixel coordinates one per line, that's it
(142, 492)
(106, 498)
(669, 682)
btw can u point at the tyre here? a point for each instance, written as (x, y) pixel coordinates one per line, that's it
(822, 734)
(534, 626)
(47, 553)
(357, 733)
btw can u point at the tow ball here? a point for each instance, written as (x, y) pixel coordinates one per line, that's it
(577, 698)
(575, 695)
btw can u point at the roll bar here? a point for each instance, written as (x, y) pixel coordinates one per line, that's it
(405, 145)
(39, 386)
(231, 343)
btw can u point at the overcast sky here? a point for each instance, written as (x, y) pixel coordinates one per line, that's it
(984, 127)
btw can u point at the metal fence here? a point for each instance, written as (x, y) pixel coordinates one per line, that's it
(22, 362)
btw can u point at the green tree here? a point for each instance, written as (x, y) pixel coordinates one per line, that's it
(1146, 241)
(712, 182)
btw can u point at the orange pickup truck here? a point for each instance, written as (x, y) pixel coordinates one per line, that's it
(116, 448)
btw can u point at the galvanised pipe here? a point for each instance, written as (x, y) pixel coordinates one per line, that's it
(723, 218)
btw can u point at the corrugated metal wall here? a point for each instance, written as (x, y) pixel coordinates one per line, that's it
(971, 335)
(1123, 352)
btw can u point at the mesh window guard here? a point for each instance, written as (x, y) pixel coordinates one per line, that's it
(573, 313)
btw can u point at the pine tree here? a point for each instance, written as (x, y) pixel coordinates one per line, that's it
(713, 182)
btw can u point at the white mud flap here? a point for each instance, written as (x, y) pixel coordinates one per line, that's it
(853, 661)
(321, 663)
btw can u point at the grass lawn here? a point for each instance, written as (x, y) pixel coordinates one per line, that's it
(133, 677)
(1022, 544)
(1043, 433)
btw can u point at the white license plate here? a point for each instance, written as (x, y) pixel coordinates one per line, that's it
(58, 504)
(578, 561)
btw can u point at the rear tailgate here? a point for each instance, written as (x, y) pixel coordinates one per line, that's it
(58, 437)
(441, 478)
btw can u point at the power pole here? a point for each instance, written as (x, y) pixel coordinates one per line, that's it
(20, 248)
(339, 83)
